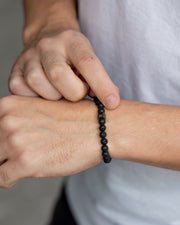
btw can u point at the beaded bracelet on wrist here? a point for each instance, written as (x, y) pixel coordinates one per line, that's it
(102, 128)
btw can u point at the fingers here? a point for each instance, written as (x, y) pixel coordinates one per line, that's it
(62, 77)
(17, 84)
(38, 82)
(28, 79)
(10, 173)
(46, 69)
(84, 59)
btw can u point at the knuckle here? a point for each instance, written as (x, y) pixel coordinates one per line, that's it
(68, 34)
(80, 44)
(56, 72)
(7, 122)
(44, 43)
(4, 102)
(86, 60)
(24, 160)
(14, 85)
(14, 141)
(78, 95)
(7, 101)
(28, 54)
(31, 78)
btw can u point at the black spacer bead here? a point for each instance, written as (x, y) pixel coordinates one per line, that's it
(104, 148)
(103, 134)
(102, 121)
(100, 111)
(104, 141)
(102, 127)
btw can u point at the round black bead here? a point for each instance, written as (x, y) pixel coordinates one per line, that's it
(105, 154)
(107, 159)
(102, 116)
(104, 148)
(96, 100)
(102, 128)
(100, 111)
(101, 106)
(102, 121)
(104, 141)
(103, 134)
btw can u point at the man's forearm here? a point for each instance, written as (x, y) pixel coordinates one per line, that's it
(145, 133)
(37, 141)
(45, 16)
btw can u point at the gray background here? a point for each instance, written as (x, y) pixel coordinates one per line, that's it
(29, 202)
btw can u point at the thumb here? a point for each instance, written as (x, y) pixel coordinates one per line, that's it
(94, 73)
(100, 83)
(110, 97)
(98, 80)
(111, 101)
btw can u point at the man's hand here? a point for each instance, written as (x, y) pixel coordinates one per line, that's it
(41, 138)
(62, 64)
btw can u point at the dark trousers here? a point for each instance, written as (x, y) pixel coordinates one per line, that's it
(62, 214)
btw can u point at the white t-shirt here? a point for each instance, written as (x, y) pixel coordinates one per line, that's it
(138, 42)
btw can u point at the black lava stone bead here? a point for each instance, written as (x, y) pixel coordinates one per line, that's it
(102, 128)
(104, 148)
(101, 106)
(103, 134)
(100, 116)
(104, 141)
(105, 154)
(96, 100)
(102, 121)
(107, 159)
(100, 111)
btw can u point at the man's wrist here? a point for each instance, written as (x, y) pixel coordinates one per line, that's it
(46, 17)
(32, 33)
(85, 114)
(90, 113)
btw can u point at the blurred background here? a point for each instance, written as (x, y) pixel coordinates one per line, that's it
(31, 201)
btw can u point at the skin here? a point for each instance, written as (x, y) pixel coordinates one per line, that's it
(36, 141)
(58, 60)
(42, 138)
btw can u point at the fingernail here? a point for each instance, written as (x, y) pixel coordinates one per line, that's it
(111, 101)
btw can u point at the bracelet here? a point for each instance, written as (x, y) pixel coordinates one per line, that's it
(102, 128)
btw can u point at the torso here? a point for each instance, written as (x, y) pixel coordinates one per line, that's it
(138, 43)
